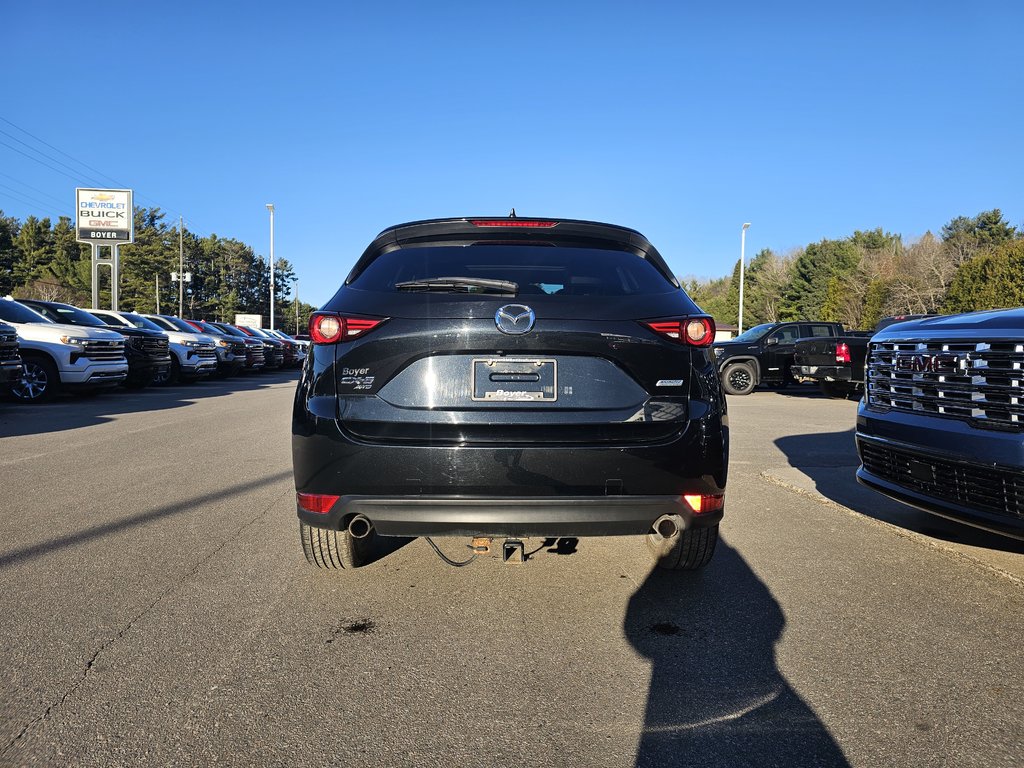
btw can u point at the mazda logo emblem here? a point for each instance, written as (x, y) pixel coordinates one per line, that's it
(514, 319)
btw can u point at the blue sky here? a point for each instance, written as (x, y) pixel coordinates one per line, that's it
(682, 120)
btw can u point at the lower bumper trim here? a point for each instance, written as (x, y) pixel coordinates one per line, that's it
(514, 517)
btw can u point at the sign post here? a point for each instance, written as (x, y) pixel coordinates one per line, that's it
(104, 217)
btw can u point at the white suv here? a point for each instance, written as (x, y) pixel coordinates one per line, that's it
(56, 356)
(192, 354)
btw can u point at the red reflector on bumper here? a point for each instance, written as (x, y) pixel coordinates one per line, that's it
(318, 503)
(706, 503)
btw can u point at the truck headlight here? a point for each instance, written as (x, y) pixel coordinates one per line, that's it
(73, 340)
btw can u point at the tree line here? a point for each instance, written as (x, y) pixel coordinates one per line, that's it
(40, 259)
(973, 263)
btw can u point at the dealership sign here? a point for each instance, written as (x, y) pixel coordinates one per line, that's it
(104, 216)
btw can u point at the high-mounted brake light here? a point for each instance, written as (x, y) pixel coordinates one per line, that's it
(330, 328)
(842, 353)
(695, 331)
(703, 503)
(513, 223)
(318, 503)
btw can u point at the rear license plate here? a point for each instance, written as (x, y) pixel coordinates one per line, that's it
(515, 379)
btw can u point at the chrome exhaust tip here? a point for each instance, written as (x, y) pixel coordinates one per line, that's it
(668, 526)
(359, 527)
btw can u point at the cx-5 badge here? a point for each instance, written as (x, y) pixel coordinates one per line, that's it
(514, 319)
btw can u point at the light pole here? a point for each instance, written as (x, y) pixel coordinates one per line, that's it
(270, 207)
(743, 247)
(181, 268)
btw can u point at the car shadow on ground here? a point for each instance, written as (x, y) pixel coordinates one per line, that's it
(830, 460)
(73, 411)
(716, 696)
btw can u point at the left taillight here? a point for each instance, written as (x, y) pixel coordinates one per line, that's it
(332, 327)
(695, 331)
(842, 353)
(318, 503)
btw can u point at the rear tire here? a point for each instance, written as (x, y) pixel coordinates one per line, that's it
(39, 381)
(738, 379)
(335, 550)
(692, 550)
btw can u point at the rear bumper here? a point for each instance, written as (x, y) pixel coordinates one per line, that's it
(821, 372)
(531, 489)
(538, 516)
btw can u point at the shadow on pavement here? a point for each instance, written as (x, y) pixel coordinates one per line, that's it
(116, 526)
(830, 460)
(77, 410)
(716, 696)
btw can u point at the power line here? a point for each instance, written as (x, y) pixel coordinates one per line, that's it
(40, 152)
(20, 199)
(77, 180)
(36, 189)
(56, 149)
(35, 200)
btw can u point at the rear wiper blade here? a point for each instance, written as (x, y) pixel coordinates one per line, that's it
(460, 285)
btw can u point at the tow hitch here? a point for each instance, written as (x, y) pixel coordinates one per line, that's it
(513, 551)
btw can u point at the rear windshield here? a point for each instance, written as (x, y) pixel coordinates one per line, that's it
(537, 269)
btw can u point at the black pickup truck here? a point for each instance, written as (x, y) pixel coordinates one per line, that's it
(941, 426)
(837, 363)
(764, 354)
(10, 359)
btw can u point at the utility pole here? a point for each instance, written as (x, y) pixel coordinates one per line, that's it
(270, 207)
(296, 307)
(158, 294)
(181, 269)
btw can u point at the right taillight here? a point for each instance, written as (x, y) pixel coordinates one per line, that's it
(842, 353)
(695, 331)
(331, 327)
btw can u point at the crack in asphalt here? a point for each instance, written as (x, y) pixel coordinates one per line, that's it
(173, 587)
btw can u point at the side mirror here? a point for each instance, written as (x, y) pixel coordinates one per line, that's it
(772, 340)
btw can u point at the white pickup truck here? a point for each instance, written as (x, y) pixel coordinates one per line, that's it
(56, 356)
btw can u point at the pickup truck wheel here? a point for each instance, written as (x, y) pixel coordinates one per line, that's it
(837, 389)
(738, 379)
(691, 551)
(335, 550)
(39, 381)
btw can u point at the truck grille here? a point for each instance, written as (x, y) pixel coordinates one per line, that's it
(8, 346)
(255, 356)
(103, 350)
(984, 488)
(238, 349)
(976, 381)
(153, 347)
(207, 352)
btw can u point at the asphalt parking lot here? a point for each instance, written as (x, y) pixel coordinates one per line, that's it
(156, 610)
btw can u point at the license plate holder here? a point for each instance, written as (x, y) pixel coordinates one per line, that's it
(514, 379)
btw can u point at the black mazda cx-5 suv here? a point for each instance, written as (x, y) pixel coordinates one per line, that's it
(509, 378)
